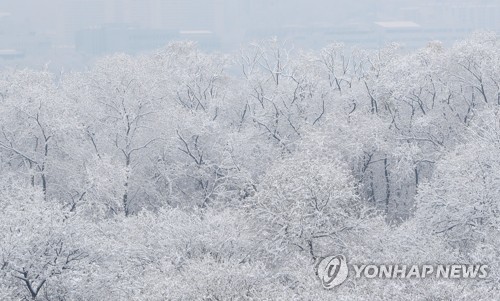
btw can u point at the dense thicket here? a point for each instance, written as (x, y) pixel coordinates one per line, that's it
(183, 175)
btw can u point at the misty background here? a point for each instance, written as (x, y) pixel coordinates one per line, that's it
(70, 33)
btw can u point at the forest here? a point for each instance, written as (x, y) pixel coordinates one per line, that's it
(185, 175)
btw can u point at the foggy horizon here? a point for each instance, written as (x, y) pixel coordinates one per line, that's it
(71, 33)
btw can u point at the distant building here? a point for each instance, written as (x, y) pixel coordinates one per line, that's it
(121, 38)
(124, 38)
(407, 33)
(11, 54)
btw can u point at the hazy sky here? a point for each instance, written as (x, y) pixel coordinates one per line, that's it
(50, 27)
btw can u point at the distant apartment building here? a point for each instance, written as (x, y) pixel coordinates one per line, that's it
(140, 25)
(120, 38)
(129, 39)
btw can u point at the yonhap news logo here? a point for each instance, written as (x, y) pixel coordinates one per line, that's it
(334, 270)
